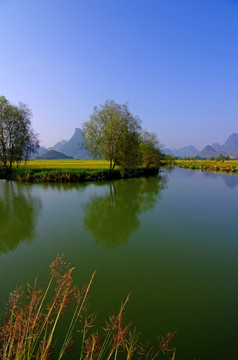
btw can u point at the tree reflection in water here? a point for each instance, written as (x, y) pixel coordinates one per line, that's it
(113, 217)
(18, 212)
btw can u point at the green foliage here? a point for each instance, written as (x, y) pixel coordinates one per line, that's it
(17, 139)
(168, 159)
(113, 134)
(150, 149)
(222, 157)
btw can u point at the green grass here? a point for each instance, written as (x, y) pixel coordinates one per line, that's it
(36, 175)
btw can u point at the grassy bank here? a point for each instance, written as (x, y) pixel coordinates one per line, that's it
(75, 175)
(230, 166)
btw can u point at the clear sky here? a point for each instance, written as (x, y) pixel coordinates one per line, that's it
(174, 61)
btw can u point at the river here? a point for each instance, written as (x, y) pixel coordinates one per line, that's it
(171, 240)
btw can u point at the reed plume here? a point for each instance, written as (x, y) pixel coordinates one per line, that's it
(28, 329)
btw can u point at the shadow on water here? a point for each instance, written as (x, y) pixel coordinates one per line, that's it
(18, 212)
(114, 216)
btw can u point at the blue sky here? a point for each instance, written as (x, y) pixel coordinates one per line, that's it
(174, 61)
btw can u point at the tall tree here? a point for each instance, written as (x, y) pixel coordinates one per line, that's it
(17, 138)
(113, 133)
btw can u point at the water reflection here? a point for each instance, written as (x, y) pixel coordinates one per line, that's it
(230, 180)
(18, 212)
(168, 169)
(114, 216)
(63, 187)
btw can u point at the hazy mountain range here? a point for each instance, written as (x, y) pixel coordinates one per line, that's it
(75, 148)
(230, 147)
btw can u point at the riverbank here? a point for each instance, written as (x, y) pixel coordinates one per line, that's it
(75, 175)
(230, 166)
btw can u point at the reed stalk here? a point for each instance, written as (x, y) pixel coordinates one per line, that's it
(29, 326)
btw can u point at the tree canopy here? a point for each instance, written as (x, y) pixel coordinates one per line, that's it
(113, 133)
(17, 138)
(150, 149)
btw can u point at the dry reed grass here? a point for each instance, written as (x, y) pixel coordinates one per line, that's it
(28, 329)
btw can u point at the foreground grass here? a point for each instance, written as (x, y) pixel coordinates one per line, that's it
(229, 166)
(65, 164)
(28, 330)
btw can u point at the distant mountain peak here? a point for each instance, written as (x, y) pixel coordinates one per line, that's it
(231, 143)
(233, 136)
(207, 152)
(75, 146)
(54, 155)
(58, 145)
(209, 148)
(216, 146)
(186, 151)
(78, 131)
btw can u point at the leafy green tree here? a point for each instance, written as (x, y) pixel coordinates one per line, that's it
(150, 149)
(113, 133)
(169, 158)
(17, 138)
(222, 157)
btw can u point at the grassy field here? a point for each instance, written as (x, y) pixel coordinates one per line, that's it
(65, 164)
(71, 171)
(229, 166)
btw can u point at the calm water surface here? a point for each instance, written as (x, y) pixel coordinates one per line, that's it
(171, 240)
